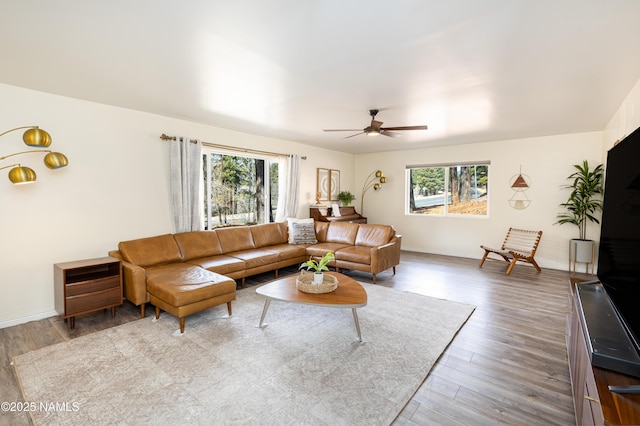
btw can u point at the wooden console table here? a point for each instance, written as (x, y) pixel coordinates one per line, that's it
(85, 286)
(594, 403)
(347, 214)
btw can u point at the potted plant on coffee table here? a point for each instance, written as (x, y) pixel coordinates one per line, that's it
(584, 202)
(318, 267)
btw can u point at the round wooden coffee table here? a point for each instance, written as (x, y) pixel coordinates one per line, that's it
(349, 294)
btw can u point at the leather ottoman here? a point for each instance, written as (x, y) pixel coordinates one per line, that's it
(183, 289)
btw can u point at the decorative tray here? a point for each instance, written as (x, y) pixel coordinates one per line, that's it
(304, 283)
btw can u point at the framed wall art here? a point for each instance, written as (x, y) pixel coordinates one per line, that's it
(328, 184)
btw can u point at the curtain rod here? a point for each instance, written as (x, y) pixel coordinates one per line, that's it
(233, 148)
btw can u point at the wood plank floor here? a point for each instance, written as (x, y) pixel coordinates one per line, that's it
(507, 365)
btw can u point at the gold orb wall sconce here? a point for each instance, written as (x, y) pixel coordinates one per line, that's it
(36, 138)
(375, 180)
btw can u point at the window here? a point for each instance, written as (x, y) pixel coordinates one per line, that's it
(238, 190)
(448, 189)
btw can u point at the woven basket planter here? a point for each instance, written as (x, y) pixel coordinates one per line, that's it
(304, 283)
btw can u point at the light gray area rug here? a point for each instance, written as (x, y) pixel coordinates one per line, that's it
(305, 368)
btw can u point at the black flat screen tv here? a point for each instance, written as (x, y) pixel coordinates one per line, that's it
(619, 249)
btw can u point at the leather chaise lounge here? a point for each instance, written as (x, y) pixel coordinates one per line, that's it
(188, 272)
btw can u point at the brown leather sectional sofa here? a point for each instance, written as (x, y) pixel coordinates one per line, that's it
(188, 272)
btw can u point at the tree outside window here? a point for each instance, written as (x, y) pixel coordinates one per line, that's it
(448, 189)
(238, 190)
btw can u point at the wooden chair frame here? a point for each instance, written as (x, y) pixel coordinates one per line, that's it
(519, 245)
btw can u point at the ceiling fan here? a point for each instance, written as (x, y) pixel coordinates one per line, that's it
(375, 128)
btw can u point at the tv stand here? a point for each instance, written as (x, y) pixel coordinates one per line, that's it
(625, 389)
(594, 401)
(608, 343)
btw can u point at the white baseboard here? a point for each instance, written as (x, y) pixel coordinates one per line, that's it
(22, 320)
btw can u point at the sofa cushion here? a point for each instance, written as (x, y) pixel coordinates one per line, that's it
(235, 238)
(374, 235)
(256, 258)
(221, 264)
(269, 234)
(355, 254)
(320, 249)
(198, 244)
(289, 251)
(342, 232)
(181, 284)
(321, 230)
(150, 251)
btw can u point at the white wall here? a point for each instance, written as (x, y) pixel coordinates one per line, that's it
(625, 120)
(115, 188)
(546, 160)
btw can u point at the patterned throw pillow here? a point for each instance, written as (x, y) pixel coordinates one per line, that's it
(303, 233)
(291, 221)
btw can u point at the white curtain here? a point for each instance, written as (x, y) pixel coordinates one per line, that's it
(186, 169)
(288, 189)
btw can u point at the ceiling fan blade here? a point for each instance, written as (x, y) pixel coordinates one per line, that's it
(376, 128)
(390, 134)
(375, 125)
(347, 137)
(406, 128)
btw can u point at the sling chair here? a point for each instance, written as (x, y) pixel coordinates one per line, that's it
(519, 245)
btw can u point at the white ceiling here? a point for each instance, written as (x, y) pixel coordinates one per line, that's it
(472, 70)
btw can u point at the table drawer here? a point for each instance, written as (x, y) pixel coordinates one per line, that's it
(92, 286)
(76, 305)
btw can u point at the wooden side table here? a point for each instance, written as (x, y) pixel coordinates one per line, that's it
(85, 286)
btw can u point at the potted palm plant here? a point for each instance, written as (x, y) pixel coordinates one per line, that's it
(584, 202)
(318, 267)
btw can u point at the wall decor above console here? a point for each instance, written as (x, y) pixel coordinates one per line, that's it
(328, 185)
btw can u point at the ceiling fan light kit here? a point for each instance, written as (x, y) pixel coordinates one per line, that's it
(375, 128)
